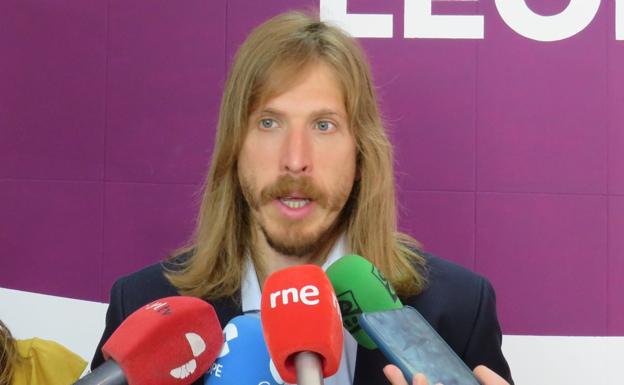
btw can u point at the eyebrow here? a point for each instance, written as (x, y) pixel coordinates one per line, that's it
(327, 112)
(316, 113)
(268, 111)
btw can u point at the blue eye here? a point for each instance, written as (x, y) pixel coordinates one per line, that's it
(324, 125)
(267, 123)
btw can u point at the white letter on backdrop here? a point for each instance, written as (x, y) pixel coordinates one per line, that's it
(525, 22)
(420, 23)
(358, 25)
(619, 20)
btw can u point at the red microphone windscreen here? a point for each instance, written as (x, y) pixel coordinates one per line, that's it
(173, 340)
(300, 313)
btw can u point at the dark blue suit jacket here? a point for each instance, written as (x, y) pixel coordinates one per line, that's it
(459, 304)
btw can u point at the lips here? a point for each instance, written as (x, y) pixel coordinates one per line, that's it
(294, 207)
(294, 202)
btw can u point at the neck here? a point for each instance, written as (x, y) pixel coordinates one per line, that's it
(267, 260)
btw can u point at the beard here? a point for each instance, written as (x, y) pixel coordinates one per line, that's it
(294, 243)
(294, 238)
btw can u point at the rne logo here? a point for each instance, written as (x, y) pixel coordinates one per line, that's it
(308, 295)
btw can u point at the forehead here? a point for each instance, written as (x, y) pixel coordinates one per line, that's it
(316, 78)
(315, 88)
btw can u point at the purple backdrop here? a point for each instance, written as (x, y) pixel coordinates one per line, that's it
(509, 151)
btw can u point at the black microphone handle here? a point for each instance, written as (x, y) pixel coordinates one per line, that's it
(109, 373)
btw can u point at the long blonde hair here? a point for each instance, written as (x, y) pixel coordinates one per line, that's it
(8, 355)
(268, 62)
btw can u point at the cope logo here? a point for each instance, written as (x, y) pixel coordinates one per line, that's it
(216, 372)
(230, 332)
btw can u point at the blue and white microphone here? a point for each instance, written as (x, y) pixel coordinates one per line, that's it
(244, 358)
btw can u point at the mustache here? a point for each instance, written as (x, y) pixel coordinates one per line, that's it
(287, 184)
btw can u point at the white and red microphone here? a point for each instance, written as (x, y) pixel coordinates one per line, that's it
(302, 324)
(171, 341)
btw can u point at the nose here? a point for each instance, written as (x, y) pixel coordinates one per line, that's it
(297, 151)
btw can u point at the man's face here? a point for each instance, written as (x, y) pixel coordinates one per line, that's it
(298, 162)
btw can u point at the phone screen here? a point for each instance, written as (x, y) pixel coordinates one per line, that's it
(409, 342)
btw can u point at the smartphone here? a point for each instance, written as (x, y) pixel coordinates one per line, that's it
(409, 342)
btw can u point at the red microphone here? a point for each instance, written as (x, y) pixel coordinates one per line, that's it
(302, 325)
(173, 340)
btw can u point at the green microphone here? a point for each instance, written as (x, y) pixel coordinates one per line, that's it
(360, 287)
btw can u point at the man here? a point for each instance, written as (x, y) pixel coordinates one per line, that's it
(302, 173)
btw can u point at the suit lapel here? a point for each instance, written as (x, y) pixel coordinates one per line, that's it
(227, 308)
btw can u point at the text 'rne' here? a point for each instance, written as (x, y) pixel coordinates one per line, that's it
(307, 295)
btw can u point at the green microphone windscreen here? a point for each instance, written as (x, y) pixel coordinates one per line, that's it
(360, 287)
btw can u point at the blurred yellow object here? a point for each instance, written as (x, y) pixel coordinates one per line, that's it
(43, 362)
